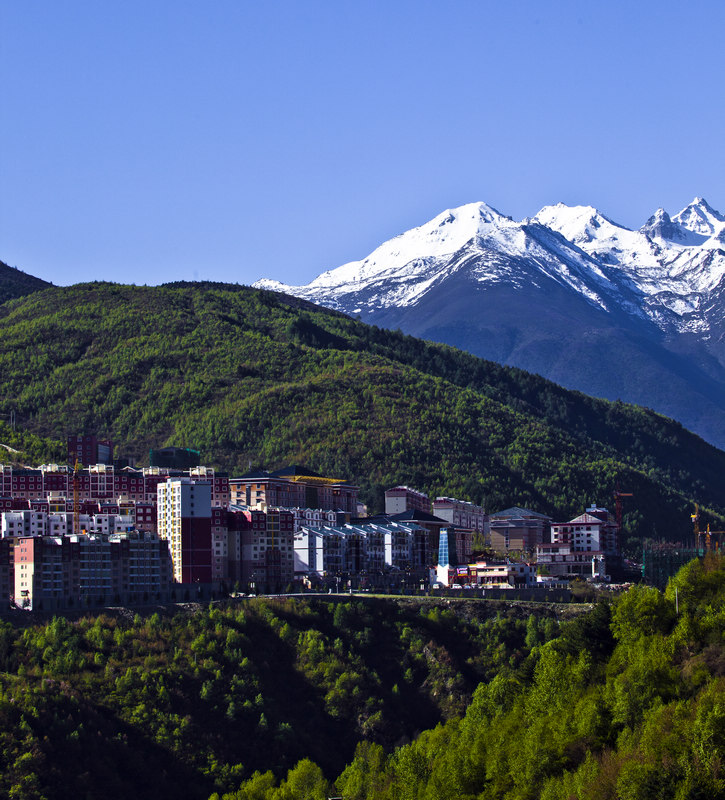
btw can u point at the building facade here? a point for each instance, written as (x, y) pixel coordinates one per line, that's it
(90, 570)
(462, 514)
(293, 487)
(184, 521)
(519, 529)
(402, 498)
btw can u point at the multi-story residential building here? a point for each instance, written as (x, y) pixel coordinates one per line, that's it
(593, 531)
(60, 523)
(519, 529)
(7, 571)
(95, 569)
(354, 548)
(265, 546)
(219, 481)
(184, 520)
(586, 546)
(23, 523)
(291, 487)
(317, 517)
(430, 523)
(562, 561)
(402, 498)
(220, 536)
(47, 568)
(462, 514)
(102, 483)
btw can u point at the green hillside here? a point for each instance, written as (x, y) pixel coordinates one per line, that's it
(254, 378)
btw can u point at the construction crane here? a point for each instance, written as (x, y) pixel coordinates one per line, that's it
(696, 524)
(76, 499)
(708, 538)
(707, 533)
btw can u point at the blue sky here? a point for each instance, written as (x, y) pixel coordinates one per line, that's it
(145, 142)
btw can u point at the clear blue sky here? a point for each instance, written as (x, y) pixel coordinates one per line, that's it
(158, 140)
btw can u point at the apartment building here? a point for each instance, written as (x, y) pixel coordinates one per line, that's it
(354, 548)
(462, 514)
(184, 520)
(265, 546)
(55, 572)
(103, 483)
(402, 498)
(593, 531)
(562, 561)
(89, 450)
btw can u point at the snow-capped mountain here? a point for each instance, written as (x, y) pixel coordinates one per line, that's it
(676, 263)
(567, 293)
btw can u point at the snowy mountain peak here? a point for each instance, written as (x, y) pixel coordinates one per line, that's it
(578, 224)
(471, 213)
(660, 226)
(700, 218)
(410, 252)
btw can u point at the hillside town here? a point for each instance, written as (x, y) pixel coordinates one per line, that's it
(111, 534)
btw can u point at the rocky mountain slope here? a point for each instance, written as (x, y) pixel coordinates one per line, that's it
(636, 315)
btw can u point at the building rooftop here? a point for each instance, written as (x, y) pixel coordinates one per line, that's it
(517, 511)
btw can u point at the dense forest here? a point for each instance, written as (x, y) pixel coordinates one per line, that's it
(375, 700)
(194, 702)
(253, 378)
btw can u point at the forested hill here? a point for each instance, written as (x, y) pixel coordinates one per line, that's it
(255, 378)
(15, 283)
(269, 699)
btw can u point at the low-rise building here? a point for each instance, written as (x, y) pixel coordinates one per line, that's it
(503, 574)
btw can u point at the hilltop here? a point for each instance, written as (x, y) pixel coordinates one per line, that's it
(15, 283)
(251, 377)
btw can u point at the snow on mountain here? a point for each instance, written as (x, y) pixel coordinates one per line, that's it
(415, 254)
(666, 270)
(675, 262)
(476, 239)
(701, 219)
